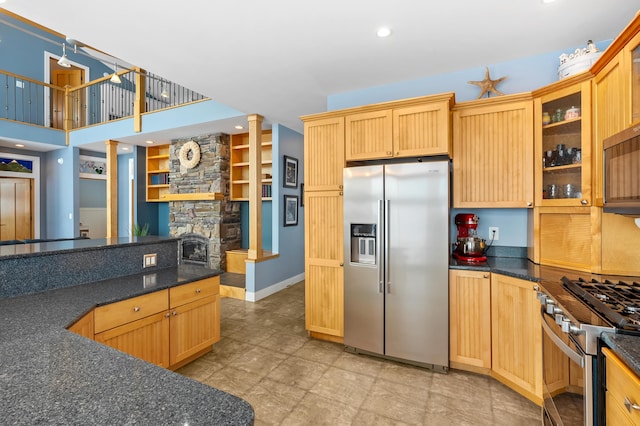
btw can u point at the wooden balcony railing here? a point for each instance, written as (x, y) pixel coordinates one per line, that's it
(100, 101)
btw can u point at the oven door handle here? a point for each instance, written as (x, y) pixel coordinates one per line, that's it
(576, 357)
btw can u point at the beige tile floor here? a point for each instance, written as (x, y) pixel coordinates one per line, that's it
(266, 358)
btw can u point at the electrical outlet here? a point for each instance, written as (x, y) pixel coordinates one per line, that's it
(149, 260)
(494, 233)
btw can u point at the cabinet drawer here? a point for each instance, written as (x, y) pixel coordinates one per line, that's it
(119, 313)
(622, 383)
(193, 291)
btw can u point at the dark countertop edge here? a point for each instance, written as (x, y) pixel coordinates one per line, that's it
(627, 347)
(241, 411)
(511, 266)
(50, 248)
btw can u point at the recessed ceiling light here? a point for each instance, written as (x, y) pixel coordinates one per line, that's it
(548, 1)
(19, 145)
(125, 148)
(150, 142)
(239, 127)
(383, 32)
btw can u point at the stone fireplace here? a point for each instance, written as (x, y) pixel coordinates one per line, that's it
(207, 228)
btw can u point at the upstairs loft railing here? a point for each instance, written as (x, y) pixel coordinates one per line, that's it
(100, 101)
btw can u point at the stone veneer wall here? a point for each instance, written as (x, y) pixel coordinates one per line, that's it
(219, 221)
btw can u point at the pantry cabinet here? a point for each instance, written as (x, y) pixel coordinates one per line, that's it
(493, 152)
(562, 122)
(622, 395)
(324, 288)
(516, 337)
(470, 320)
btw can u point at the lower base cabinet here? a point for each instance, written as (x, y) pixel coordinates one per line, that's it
(495, 329)
(169, 328)
(516, 335)
(470, 320)
(623, 392)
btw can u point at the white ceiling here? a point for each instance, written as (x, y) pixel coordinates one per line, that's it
(282, 58)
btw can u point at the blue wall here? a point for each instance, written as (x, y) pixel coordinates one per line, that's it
(288, 241)
(267, 228)
(62, 199)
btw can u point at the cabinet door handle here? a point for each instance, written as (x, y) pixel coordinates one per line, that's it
(583, 202)
(485, 276)
(529, 204)
(167, 315)
(136, 309)
(198, 291)
(174, 313)
(630, 405)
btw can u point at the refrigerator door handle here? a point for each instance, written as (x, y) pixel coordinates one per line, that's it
(387, 264)
(378, 247)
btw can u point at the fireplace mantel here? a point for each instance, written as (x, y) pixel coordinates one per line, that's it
(198, 196)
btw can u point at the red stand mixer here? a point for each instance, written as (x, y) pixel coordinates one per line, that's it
(469, 247)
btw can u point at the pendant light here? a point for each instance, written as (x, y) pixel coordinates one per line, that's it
(164, 93)
(64, 61)
(115, 78)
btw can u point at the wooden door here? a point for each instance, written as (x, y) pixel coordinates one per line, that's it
(516, 335)
(369, 135)
(470, 318)
(493, 153)
(146, 338)
(72, 77)
(422, 130)
(194, 328)
(324, 281)
(16, 221)
(324, 154)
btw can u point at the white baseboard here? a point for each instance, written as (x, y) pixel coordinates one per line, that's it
(254, 296)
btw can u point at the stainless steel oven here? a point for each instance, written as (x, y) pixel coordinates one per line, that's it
(570, 348)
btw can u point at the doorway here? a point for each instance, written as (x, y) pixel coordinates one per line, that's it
(61, 77)
(16, 201)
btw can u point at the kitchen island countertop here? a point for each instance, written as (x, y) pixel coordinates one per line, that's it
(50, 375)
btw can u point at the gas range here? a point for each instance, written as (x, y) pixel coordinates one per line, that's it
(617, 303)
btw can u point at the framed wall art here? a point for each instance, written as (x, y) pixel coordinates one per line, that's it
(290, 172)
(290, 210)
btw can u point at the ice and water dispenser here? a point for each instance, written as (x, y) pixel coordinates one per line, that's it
(363, 243)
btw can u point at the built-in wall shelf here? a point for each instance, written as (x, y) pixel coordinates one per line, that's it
(240, 166)
(157, 172)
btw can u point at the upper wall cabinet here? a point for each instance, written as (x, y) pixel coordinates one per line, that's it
(493, 152)
(562, 122)
(408, 128)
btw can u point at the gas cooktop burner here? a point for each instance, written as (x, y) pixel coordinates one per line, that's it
(619, 303)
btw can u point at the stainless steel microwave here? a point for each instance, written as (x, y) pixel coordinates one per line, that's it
(622, 172)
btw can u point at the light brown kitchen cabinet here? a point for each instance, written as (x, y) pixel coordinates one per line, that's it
(562, 117)
(168, 328)
(622, 396)
(408, 128)
(84, 326)
(324, 291)
(146, 338)
(567, 237)
(516, 336)
(493, 152)
(194, 324)
(324, 281)
(470, 320)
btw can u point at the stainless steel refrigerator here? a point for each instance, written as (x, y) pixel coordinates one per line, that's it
(396, 292)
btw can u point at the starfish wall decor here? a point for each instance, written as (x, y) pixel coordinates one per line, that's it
(487, 85)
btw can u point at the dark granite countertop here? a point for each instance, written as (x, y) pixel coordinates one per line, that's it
(52, 376)
(67, 245)
(625, 346)
(512, 266)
